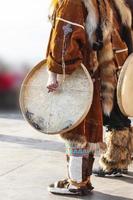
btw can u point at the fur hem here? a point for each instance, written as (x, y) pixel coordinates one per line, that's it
(74, 139)
(79, 140)
(109, 165)
(97, 147)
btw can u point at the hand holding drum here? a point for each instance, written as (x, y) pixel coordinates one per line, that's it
(52, 83)
(53, 105)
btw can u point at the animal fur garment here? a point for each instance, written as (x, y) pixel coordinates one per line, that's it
(91, 28)
(99, 24)
(75, 139)
(118, 154)
(124, 10)
(79, 140)
(130, 145)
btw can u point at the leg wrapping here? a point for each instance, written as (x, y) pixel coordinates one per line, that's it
(79, 165)
(117, 155)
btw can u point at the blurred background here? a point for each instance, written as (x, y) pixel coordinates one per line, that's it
(24, 33)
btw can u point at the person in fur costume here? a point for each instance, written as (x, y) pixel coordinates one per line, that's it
(83, 32)
(119, 138)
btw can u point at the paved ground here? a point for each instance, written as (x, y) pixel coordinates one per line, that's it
(29, 161)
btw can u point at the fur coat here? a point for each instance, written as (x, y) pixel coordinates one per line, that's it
(96, 33)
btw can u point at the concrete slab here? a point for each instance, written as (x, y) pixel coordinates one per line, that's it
(30, 161)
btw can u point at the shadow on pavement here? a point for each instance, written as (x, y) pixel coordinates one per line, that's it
(130, 174)
(33, 143)
(97, 196)
(11, 114)
(125, 178)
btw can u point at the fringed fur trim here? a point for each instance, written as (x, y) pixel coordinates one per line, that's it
(79, 141)
(124, 12)
(74, 139)
(109, 165)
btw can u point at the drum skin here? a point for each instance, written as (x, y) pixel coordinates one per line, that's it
(125, 88)
(60, 111)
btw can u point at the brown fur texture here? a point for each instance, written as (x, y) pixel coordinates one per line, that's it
(130, 145)
(79, 140)
(75, 139)
(108, 77)
(102, 12)
(106, 59)
(98, 14)
(124, 12)
(99, 25)
(118, 154)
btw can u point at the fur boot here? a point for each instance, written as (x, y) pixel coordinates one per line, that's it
(117, 155)
(130, 144)
(79, 167)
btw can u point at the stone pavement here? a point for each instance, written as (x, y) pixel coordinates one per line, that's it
(30, 161)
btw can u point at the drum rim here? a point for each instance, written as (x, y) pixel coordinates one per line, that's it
(21, 103)
(22, 107)
(119, 85)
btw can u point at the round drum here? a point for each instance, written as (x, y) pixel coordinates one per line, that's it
(59, 111)
(125, 88)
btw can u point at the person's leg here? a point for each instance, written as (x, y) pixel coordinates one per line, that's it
(79, 169)
(118, 154)
(117, 157)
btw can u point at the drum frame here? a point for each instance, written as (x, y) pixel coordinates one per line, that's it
(119, 85)
(21, 101)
